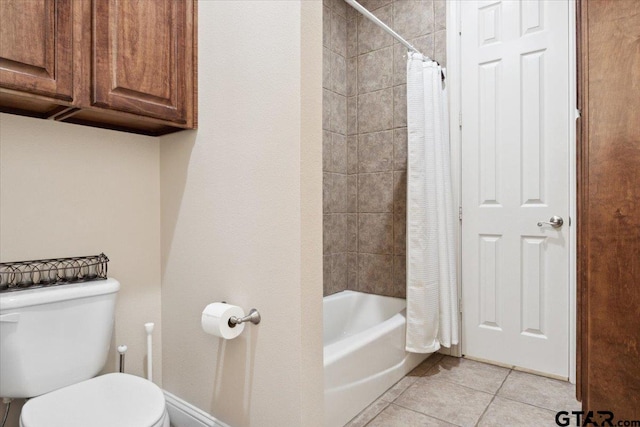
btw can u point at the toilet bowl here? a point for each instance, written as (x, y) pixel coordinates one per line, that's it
(111, 400)
(55, 340)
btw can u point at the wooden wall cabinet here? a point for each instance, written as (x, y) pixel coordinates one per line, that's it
(128, 65)
(608, 220)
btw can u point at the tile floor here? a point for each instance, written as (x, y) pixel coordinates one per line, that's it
(448, 391)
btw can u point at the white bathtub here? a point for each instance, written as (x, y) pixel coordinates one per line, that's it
(364, 341)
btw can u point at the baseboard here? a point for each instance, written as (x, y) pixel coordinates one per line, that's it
(184, 414)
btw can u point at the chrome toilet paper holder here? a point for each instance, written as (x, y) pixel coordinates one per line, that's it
(253, 317)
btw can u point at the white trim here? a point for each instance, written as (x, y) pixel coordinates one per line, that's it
(184, 414)
(453, 87)
(573, 247)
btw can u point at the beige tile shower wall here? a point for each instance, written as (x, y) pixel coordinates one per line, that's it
(339, 219)
(241, 217)
(69, 190)
(377, 137)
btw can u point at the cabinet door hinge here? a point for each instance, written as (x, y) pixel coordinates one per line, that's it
(460, 213)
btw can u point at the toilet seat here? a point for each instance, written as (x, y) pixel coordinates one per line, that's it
(109, 400)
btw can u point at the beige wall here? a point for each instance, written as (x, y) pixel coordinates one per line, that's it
(241, 217)
(68, 190)
(365, 193)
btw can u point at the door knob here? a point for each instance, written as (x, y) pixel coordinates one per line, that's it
(555, 221)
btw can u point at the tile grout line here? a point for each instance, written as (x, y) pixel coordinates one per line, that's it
(375, 416)
(393, 402)
(504, 381)
(526, 403)
(520, 401)
(393, 196)
(357, 136)
(485, 411)
(404, 391)
(422, 413)
(461, 385)
(494, 397)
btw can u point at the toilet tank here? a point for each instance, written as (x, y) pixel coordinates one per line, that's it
(55, 336)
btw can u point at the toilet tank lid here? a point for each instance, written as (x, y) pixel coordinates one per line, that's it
(47, 295)
(109, 400)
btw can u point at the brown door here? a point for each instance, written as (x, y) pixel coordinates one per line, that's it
(139, 57)
(36, 47)
(609, 207)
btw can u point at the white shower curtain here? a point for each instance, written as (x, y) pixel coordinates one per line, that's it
(432, 295)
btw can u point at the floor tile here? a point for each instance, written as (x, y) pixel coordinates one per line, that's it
(422, 368)
(504, 412)
(444, 400)
(540, 391)
(396, 416)
(476, 375)
(368, 414)
(398, 388)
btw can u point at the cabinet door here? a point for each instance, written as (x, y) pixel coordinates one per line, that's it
(36, 47)
(139, 61)
(609, 208)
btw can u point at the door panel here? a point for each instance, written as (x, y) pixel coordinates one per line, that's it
(515, 173)
(36, 47)
(139, 60)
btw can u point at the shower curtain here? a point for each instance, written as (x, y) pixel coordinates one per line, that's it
(432, 295)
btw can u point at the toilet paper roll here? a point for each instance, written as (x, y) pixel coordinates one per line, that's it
(215, 320)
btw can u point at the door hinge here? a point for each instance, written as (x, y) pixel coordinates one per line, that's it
(460, 213)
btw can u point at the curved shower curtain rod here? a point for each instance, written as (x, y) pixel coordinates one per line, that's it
(373, 18)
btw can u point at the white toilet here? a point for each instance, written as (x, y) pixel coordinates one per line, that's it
(53, 343)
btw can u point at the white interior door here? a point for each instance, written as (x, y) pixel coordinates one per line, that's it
(515, 173)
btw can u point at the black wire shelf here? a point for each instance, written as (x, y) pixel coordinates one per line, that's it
(21, 275)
